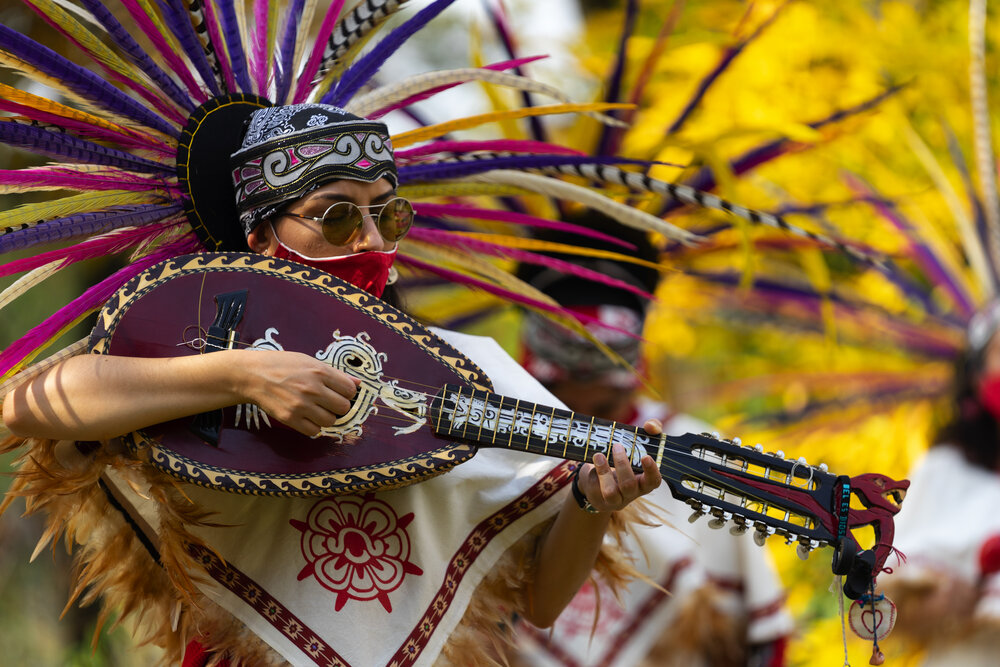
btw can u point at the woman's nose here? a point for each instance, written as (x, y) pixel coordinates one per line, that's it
(368, 237)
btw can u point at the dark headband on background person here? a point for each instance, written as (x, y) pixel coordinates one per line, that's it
(288, 151)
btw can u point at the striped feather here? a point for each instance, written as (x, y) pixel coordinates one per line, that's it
(234, 43)
(59, 145)
(387, 97)
(628, 216)
(403, 102)
(353, 29)
(36, 369)
(982, 133)
(440, 129)
(89, 202)
(125, 73)
(85, 224)
(82, 82)
(326, 29)
(27, 281)
(361, 72)
(284, 61)
(478, 162)
(26, 348)
(642, 183)
(104, 245)
(80, 122)
(488, 145)
(199, 23)
(179, 20)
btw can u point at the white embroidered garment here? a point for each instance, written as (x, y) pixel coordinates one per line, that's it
(682, 558)
(377, 579)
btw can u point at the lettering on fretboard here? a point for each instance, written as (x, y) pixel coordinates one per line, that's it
(491, 420)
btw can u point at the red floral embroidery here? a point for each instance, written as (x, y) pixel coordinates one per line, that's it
(356, 547)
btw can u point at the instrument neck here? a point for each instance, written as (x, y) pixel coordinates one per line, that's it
(491, 420)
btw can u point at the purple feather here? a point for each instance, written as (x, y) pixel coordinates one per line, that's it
(433, 171)
(85, 224)
(727, 59)
(308, 76)
(178, 19)
(258, 60)
(614, 83)
(127, 44)
(362, 71)
(56, 144)
(705, 180)
(500, 23)
(125, 136)
(469, 212)
(103, 246)
(55, 178)
(83, 82)
(51, 143)
(523, 256)
(171, 60)
(923, 255)
(88, 301)
(283, 61)
(234, 44)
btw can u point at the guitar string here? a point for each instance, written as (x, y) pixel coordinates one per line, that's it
(672, 466)
(679, 468)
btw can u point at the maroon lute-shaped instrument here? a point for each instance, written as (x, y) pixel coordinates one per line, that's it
(422, 408)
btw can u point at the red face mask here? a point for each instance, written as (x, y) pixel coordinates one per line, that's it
(989, 394)
(368, 270)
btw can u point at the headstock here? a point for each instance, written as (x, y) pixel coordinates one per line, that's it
(805, 504)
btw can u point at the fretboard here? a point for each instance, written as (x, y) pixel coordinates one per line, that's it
(490, 420)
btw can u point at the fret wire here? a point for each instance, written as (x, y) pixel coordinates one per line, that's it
(548, 431)
(635, 443)
(611, 442)
(486, 405)
(444, 392)
(465, 428)
(496, 428)
(569, 429)
(659, 450)
(531, 423)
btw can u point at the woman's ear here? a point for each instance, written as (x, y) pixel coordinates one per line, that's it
(259, 240)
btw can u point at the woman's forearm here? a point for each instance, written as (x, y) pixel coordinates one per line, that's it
(94, 397)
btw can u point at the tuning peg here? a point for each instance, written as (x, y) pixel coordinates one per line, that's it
(803, 551)
(823, 467)
(720, 520)
(761, 533)
(780, 454)
(737, 442)
(758, 447)
(699, 511)
(739, 527)
(715, 434)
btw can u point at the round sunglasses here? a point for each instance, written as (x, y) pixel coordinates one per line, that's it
(344, 219)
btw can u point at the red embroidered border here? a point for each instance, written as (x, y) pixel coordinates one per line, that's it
(322, 653)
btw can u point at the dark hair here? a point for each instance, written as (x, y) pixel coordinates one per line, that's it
(972, 429)
(570, 290)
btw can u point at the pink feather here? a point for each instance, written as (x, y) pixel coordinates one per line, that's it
(258, 61)
(312, 65)
(53, 176)
(172, 61)
(102, 246)
(458, 211)
(88, 301)
(439, 237)
(220, 50)
(493, 145)
(413, 99)
(468, 281)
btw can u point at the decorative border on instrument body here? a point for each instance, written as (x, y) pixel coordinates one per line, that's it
(374, 478)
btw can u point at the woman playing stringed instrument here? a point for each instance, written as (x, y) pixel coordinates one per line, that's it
(340, 215)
